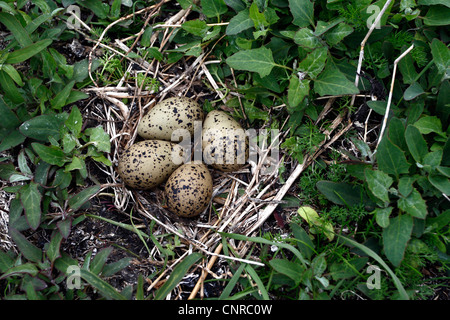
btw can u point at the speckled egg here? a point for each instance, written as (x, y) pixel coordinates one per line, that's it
(189, 190)
(149, 163)
(169, 115)
(224, 142)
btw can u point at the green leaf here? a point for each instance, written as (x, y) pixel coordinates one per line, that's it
(437, 16)
(99, 138)
(416, 143)
(441, 55)
(255, 60)
(12, 73)
(391, 159)
(21, 35)
(290, 269)
(302, 11)
(26, 53)
(314, 220)
(379, 183)
(9, 118)
(382, 216)
(305, 38)
(26, 248)
(102, 286)
(429, 124)
(405, 185)
(314, 62)
(52, 155)
(99, 8)
(342, 193)
(177, 274)
(396, 237)
(297, 91)
(239, 23)
(53, 252)
(42, 127)
(413, 204)
(413, 91)
(407, 69)
(257, 17)
(77, 163)
(196, 27)
(333, 82)
(397, 133)
(304, 243)
(10, 89)
(60, 99)
(433, 2)
(440, 182)
(99, 260)
(31, 201)
(213, 8)
(76, 201)
(338, 33)
(28, 268)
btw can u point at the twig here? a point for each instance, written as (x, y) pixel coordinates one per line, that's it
(363, 43)
(386, 115)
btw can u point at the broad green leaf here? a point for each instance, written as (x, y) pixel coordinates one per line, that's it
(405, 185)
(114, 267)
(75, 121)
(413, 204)
(21, 35)
(99, 138)
(177, 274)
(12, 73)
(60, 99)
(29, 268)
(41, 127)
(99, 8)
(305, 38)
(256, 60)
(26, 248)
(213, 8)
(391, 159)
(9, 118)
(52, 155)
(433, 159)
(76, 201)
(102, 286)
(291, 269)
(9, 88)
(239, 23)
(407, 69)
(333, 82)
(342, 193)
(24, 54)
(379, 183)
(441, 55)
(382, 216)
(77, 163)
(31, 201)
(304, 243)
(443, 103)
(302, 11)
(314, 220)
(440, 182)
(319, 265)
(196, 27)
(428, 124)
(437, 16)
(314, 62)
(257, 17)
(53, 252)
(416, 143)
(396, 237)
(433, 2)
(397, 133)
(338, 33)
(297, 91)
(413, 91)
(99, 260)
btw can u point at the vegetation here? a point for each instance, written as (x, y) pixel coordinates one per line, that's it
(367, 199)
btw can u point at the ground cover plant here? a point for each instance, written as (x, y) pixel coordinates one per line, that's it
(356, 205)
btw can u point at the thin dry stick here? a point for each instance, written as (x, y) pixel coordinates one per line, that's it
(386, 115)
(205, 273)
(363, 43)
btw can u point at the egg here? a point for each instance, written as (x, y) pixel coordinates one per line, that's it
(224, 142)
(188, 190)
(149, 163)
(169, 115)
